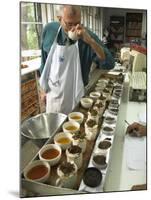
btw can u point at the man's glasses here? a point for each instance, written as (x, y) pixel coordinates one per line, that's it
(70, 25)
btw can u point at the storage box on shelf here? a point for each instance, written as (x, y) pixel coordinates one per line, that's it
(133, 26)
(117, 29)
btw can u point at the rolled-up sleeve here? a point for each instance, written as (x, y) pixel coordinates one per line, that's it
(107, 63)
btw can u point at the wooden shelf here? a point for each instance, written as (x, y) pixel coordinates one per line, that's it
(117, 29)
(133, 25)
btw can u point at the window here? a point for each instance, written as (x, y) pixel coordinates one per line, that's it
(31, 27)
(91, 18)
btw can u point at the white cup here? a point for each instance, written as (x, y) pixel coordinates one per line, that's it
(51, 161)
(77, 158)
(99, 165)
(103, 151)
(86, 102)
(66, 181)
(81, 143)
(103, 99)
(106, 93)
(95, 95)
(63, 140)
(76, 116)
(95, 118)
(72, 35)
(71, 127)
(91, 132)
(110, 130)
(101, 85)
(34, 164)
(100, 110)
(103, 80)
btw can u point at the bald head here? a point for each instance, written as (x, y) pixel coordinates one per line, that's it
(71, 11)
(69, 16)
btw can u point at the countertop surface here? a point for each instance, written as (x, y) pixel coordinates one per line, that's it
(120, 176)
(33, 65)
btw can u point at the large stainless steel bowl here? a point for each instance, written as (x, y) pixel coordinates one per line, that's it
(42, 126)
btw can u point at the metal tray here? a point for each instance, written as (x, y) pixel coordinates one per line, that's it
(31, 185)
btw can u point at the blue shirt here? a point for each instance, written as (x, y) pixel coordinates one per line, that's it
(87, 54)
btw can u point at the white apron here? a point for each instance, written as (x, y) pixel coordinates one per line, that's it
(62, 78)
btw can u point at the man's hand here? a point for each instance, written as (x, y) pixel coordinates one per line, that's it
(136, 129)
(82, 33)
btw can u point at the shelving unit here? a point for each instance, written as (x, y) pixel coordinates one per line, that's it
(117, 29)
(133, 26)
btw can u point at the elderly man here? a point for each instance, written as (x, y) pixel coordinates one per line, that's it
(68, 50)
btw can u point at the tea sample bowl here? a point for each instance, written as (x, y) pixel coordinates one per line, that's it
(116, 95)
(99, 106)
(71, 127)
(101, 85)
(114, 103)
(103, 80)
(67, 175)
(118, 86)
(62, 139)
(91, 129)
(94, 115)
(104, 145)
(66, 169)
(118, 91)
(76, 116)
(95, 95)
(110, 120)
(37, 171)
(106, 91)
(113, 111)
(74, 154)
(99, 161)
(107, 130)
(103, 99)
(50, 153)
(98, 89)
(92, 177)
(86, 102)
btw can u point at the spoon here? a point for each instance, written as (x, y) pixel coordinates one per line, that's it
(127, 122)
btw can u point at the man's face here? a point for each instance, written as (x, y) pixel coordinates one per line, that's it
(68, 21)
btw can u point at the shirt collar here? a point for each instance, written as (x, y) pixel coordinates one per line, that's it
(63, 38)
